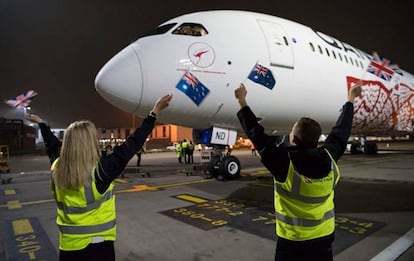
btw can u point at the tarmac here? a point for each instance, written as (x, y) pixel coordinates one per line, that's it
(177, 213)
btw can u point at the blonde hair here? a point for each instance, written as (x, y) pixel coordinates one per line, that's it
(79, 155)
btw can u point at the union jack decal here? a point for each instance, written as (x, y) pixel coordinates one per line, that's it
(382, 67)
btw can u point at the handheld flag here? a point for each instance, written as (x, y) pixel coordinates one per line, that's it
(193, 88)
(23, 100)
(382, 67)
(263, 76)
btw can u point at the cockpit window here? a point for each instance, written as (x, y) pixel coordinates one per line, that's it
(159, 30)
(190, 29)
(164, 28)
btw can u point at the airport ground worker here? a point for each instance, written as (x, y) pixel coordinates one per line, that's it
(304, 179)
(184, 147)
(82, 184)
(179, 150)
(190, 152)
(139, 155)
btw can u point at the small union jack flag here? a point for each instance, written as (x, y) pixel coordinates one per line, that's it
(263, 76)
(193, 88)
(23, 100)
(382, 67)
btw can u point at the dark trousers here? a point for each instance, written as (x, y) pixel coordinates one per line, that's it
(138, 159)
(191, 158)
(312, 250)
(104, 251)
(186, 155)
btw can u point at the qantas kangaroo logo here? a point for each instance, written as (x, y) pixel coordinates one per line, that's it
(201, 54)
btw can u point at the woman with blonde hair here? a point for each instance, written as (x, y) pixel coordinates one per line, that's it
(82, 184)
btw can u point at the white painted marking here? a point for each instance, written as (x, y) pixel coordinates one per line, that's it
(397, 248)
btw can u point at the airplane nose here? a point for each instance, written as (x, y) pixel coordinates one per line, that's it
(120, 80)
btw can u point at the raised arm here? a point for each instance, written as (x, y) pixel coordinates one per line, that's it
(52, 143)
(273, 154)
(338, 137)
(112, 165)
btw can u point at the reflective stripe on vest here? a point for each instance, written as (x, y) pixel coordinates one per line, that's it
(86, 229)
(90, 206)
(294, 221)
(295, 192)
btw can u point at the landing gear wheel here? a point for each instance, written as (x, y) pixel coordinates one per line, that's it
(230, 167)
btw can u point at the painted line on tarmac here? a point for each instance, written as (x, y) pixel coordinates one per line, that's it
(13, 204)
(27, 240)
(255, 171)
(9, 192)
(191, 198)
(260, 172)
(397, 248)
(121, 180)
(155, 188)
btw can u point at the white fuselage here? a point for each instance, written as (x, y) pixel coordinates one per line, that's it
(313, 72)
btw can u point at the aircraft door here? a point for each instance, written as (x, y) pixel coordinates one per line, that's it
(280, 51)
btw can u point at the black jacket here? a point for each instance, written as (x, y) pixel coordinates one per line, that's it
(310, 162)
(112, 165)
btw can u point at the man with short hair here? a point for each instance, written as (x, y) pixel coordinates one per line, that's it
(304, 179)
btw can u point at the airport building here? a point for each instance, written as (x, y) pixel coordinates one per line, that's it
(160, 137)
(19, 137)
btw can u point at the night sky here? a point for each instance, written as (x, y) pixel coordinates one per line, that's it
(56, 47)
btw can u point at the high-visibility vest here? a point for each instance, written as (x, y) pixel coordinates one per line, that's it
(84, 215)
(304, 207)
(179, 150)
(185, 144)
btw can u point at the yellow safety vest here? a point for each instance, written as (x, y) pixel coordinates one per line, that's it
(179, 150)
(184, 144)
(304, 207)
(84, 215)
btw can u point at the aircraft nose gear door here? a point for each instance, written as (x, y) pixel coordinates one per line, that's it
(280, 51)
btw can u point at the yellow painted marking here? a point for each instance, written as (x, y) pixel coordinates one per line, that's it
(9, 192)
(16, 204)
(12, 204)
(191, 198)
(29, 203)
(255, 173)
(138, 188)
(119, 180)
(32, 256)
(22, 226)
(260, 172)
(183, 183)
(154, 188)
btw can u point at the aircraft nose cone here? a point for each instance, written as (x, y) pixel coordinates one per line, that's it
(120, 80)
